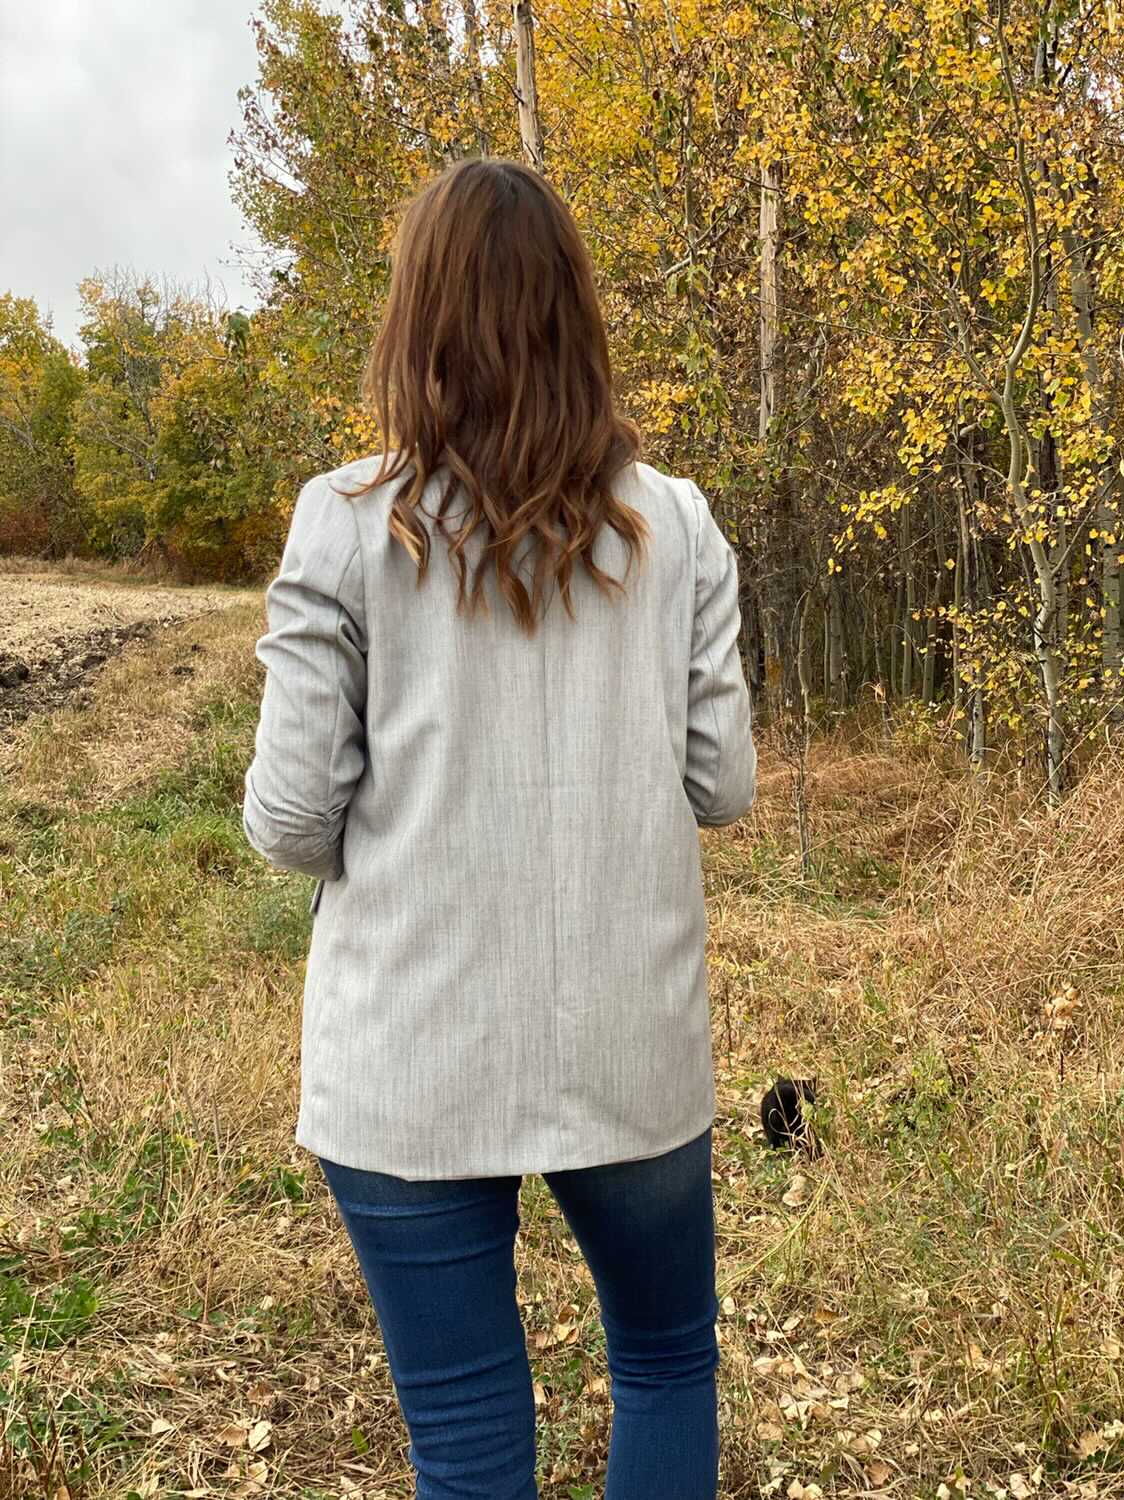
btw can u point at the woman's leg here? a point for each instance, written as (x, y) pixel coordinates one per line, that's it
(438, 1260)
(646, 1229)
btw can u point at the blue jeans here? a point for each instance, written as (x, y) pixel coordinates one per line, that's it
(438, 1261)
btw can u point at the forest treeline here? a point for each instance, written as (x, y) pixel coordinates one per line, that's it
(863, 269)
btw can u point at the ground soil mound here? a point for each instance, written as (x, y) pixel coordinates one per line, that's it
(56, 632)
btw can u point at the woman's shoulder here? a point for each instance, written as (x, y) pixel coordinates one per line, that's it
(670, 497)
(355, 478)
(667, 501)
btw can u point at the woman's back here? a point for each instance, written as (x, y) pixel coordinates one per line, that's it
(502, 688)
(507, 966)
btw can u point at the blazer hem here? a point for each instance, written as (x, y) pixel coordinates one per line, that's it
(518, 1165)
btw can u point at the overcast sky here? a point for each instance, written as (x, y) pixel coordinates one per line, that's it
(114, 116)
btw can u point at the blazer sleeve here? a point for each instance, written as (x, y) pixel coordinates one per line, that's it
(721, 765)
(310, 746)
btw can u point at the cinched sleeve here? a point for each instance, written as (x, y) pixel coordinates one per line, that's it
(310, 747)
(721, 764)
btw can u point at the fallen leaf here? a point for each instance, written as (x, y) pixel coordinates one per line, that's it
(258, 1436)
(865, 1442)
(878, 1472)
(794, 1410)
(795, 1198)
(1088, 1444)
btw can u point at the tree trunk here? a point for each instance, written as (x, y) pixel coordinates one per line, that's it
(770, 297)
(933, 652)
(1044, 639)
(957, 606)
(795, 733)
(530, 127)
(967, 495)
(475, 73)
(782, 591)
(836, 651)
(909, 599)
(752, 641)
(1107, 517)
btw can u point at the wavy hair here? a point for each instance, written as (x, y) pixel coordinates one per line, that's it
(492, 362)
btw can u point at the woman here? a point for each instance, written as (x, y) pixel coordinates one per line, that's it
(503, 689)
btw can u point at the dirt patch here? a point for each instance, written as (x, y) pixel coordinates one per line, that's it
(55, 633)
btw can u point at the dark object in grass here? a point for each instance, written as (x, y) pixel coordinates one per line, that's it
(781, 1116)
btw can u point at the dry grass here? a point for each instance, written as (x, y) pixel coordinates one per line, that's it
(146, 569)
(141, 717)
(935, 1300)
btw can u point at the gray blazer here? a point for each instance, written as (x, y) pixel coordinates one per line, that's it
(507, 968)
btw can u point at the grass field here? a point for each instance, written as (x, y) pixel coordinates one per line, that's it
(933, 1307)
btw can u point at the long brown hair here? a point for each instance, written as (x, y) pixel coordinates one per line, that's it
(492, 361)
